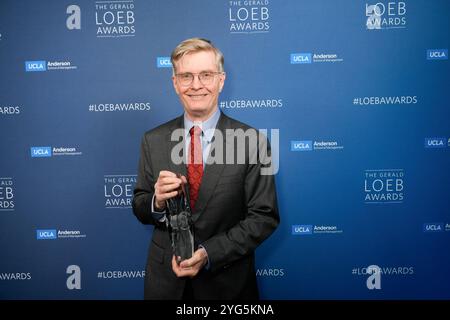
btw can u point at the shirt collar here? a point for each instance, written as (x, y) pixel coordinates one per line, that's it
(207, 126)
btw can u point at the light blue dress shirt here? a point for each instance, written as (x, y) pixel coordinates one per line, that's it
(207, 127)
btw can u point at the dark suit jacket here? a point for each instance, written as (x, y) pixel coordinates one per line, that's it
(236, 210)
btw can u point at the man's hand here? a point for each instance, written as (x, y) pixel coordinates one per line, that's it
(192, 266)
(167, 186)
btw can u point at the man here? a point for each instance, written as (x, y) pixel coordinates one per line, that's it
(233, 203)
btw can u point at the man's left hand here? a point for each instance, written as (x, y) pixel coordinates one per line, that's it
(192, 266)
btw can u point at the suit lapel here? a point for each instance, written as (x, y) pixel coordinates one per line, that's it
(211, 173)
(176, 167)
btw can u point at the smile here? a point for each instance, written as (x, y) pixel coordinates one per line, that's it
(196, 96)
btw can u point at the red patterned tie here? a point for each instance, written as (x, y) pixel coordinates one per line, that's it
(195, 164)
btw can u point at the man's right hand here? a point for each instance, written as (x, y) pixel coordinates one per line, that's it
(167, 186)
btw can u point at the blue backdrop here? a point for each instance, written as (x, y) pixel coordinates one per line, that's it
(357, 91)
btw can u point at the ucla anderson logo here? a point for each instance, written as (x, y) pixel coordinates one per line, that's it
(39, 152)
(301, 145)
(45, 234)
(437, 54)
(163, 62)
(31, 66)
(302, 229)
(433, 227)
(298, 58)
(435, 142)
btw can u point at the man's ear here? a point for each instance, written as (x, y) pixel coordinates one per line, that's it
(222, 81)
(174, 82)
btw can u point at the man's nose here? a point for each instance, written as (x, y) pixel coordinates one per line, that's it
(196, 83)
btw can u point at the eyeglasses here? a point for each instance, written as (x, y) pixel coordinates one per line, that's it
(205, 77)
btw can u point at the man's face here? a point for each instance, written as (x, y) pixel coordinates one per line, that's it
(199, 100)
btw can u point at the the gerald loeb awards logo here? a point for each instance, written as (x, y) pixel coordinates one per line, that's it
(384, 186)
(119, 190)
(115, 19)
(6, 194)
(386, 15)
(247, 16)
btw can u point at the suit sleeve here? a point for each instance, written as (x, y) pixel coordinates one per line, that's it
(261, 217)
(144, 189)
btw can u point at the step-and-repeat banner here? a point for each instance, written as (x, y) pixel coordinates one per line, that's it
(352, 95)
